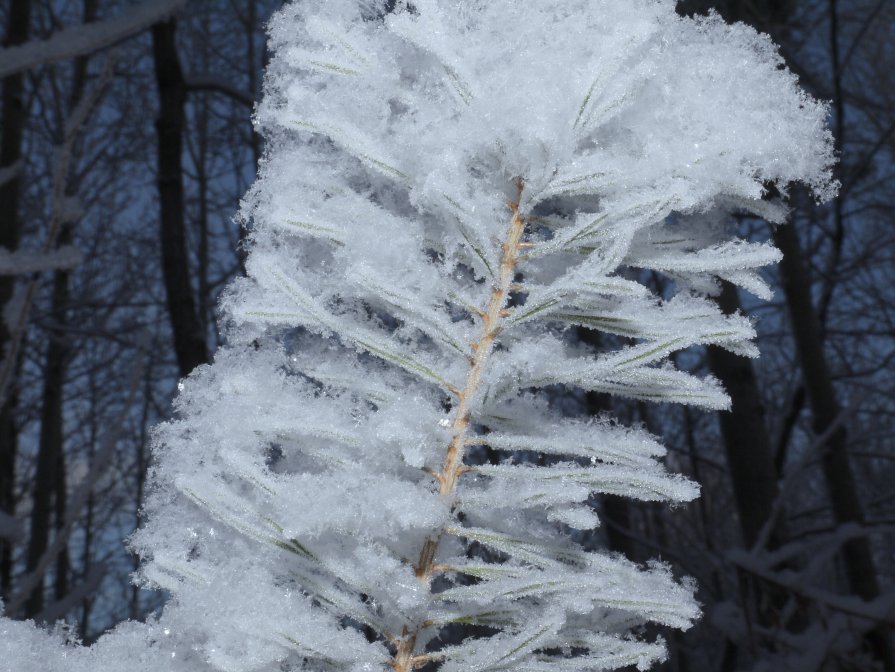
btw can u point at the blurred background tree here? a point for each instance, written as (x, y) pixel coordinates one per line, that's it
(126, 144)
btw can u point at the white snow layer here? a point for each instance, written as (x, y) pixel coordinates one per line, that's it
(294, 491)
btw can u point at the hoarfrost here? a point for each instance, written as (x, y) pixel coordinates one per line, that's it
(448, 187)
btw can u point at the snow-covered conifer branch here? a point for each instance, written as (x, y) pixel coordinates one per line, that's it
(446, 190)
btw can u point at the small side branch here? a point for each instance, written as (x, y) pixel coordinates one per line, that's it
(86, 39)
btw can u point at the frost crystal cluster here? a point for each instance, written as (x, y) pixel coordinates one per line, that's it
(448, 187)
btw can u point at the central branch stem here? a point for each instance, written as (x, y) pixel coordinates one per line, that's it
(452, 468)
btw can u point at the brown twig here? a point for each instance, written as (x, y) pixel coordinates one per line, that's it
(453, 467)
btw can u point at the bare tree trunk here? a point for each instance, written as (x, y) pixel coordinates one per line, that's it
(747, 446)
(12, 124)
(189, 339)
(57, 359)
(89, 511)
(50, 457)
(754, 475)
(51, 436)
(63, 565)
(87, 563)
(202, 184)
(825, 410)
(50, 480)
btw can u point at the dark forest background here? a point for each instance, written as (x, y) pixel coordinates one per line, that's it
(125, 146)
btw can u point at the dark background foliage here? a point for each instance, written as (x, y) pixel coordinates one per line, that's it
(123, 157)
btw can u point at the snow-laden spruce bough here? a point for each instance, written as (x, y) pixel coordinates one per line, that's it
(448, 187)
